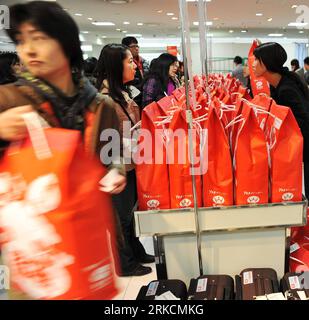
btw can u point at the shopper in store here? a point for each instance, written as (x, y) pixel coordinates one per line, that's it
(89, 67)
(304, 72)
(115, 69)
(287, 88)
(8, 61)
(142, 67)
(246, 74)
(51, 82)
(238, 71)
(162, 79)
(294, 65)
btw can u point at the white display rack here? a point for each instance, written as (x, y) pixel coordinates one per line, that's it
(233, 238)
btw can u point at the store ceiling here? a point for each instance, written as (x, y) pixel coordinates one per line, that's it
(225, 15)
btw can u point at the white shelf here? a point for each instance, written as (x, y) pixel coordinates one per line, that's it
(168, 222)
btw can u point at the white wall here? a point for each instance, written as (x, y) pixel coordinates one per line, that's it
(230, 50)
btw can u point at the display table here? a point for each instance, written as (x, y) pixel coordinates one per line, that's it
(232, 238)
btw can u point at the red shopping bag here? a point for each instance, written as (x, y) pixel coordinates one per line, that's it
(152, 176)
(258, 84)
(286, 154)
(299, 256)
(180, 175)
(55, 219)
(250, 161)
(218, 179)
(262, 103)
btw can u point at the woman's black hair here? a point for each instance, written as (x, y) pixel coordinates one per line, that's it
(50, 18)
(7, 61)
(273, 56)
(110, 68)
(295, 63)
(160, 69)
(238, 60)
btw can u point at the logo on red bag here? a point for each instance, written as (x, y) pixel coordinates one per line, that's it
(253, 199)
(185, 203)
(153, 204)
(218, 200)
(287, 196)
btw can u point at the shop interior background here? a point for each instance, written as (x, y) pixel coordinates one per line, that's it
(232, 25)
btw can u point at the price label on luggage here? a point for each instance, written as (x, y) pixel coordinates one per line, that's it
(201, 285)
(294, 247)
(294, 283)
(152, 289)
(248, 277)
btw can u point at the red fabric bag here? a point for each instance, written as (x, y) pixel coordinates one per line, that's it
(152, 177)
(218, 180)
(179, 166)
(55, 219)
(250, 161)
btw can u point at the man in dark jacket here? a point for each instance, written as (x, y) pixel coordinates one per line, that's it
(142, 67)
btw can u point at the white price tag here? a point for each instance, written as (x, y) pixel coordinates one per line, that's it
(152, 290)
(248, 277)
(302, 295)
(201, 285)
(294, 283)
(276, 296)
(167, 296)
(277, 123)
(294, 247)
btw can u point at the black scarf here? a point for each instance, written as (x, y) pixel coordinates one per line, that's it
(69, 111)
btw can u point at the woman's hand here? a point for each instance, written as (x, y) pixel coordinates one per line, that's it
(12, 124)
(113, 182)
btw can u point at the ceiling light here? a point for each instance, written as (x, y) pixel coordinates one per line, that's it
(136, 35)
(297, 24)
(174, 18)
(119, 1)
(81, 38)
(270, 19)
(118, 29)
(140, 24)
(170, 14)
(86, 47)
(216, 19)
(79, 14)
(231, 31)
(126, 22)
(124, 31)
(294, 6)
(90, 19)
(275, 35)
(160, 11)
(85, 56)
(208, 23)
(244, 31)
(197, 0)
(99, 42)
(85, 32)
(104, 37)
(301, 31)
(102, 23)
(259, 14)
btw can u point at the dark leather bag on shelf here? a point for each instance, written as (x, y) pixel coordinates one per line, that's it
(159, 287)
(295, 286)
(211, 287)
(255, 282)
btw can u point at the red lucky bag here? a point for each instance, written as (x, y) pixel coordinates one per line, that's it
(286, 154)
(55, 219)
(250, 161)
(218, 180)
(180, 175)
(151, 172)
(258, 84)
